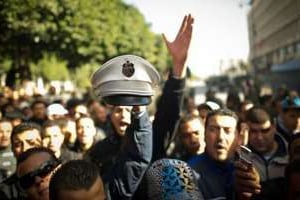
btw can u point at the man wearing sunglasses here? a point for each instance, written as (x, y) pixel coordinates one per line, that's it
(269, 149)
(34, 170)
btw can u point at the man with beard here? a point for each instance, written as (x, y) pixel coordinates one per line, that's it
(215, 167)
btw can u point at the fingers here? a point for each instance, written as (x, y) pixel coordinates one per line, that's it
(183, 24)
(246, 185)
(186, 27)
(242, 189)
(244, 196)
(246, 178)
(242, 165)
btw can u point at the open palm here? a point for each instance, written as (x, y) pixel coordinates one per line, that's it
(179, 47)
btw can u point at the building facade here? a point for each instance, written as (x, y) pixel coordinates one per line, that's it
(274, 37)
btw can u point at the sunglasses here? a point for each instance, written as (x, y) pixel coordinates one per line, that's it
(28, 180)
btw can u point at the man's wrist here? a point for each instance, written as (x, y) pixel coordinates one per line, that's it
(179, 74)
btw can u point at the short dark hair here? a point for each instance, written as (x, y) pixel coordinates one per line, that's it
(38, 102)
(186, 118)
(5, 120)
(25, 155)
(221, 112)
(25, 126)
(73, 175)
(258, 115)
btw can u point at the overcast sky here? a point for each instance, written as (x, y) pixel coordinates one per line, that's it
(220, 29)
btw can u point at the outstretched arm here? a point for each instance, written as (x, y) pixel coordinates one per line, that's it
(168, 108)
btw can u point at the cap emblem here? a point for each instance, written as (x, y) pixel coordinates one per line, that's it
(128, 69)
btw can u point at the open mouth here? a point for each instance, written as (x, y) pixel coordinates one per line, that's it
(220, 147)
(123, 125)
(195, 144)
(5, 139)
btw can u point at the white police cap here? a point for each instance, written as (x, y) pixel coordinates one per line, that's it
(126, 75)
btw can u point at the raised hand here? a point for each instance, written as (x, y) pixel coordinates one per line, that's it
(179, 47)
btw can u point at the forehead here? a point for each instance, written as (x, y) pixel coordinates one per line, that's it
(52, 129)
(39, 105)
(5, 125)
(81, 108)
(28, 135)
(192, 123)
(223, 120)
(32, 163)
(85, 120)
(266, 124)
(120, 108)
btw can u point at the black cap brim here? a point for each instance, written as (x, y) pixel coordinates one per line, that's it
(127, 100)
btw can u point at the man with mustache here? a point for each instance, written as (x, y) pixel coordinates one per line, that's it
(215, 167)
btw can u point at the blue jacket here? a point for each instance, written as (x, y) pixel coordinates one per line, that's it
(215, 179)
(130, 156)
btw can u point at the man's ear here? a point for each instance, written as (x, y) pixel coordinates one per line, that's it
(243, 134)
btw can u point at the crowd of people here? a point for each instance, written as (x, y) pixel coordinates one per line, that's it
(87, 149)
